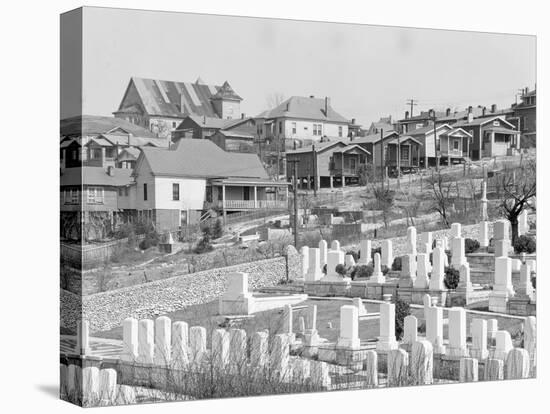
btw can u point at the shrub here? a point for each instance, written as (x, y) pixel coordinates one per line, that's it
(341, 270)
(217, 230)
(525, 244)
(402, 309)
(354, 253)
(361, 271)
(396, 265)
(471, 245)
(204, 244)
(325, 269)
(385, 269)
(452, 277)
(534, 281)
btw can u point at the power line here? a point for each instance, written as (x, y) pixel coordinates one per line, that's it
(412, 102)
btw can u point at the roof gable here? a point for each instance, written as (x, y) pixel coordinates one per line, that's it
(300, 107)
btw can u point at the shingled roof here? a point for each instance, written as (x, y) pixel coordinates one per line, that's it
(95, 125)
(96, 176)
(175, 99)
(201, 158)
(301, 107)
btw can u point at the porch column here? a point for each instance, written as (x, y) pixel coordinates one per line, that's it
(331, 181)
(492, 143)
(255, 197)
(223, 204)
(309, 182)
(518, 138)
(343, 181)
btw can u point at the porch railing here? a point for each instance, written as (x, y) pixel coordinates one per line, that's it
(248, 204)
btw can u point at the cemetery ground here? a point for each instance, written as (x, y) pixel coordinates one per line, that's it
(328, 319)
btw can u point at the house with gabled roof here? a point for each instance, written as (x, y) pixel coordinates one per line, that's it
(97, 141)
(327, 164)
(175, 186)
(386, 147)
(161, 106)
(491, 136)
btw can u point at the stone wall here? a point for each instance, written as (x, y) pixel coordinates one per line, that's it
(107, 310)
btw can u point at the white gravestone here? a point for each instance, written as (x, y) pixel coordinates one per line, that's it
(517, 364)
(387, 253)
(323, 248)
(197, 344)
(163, 340)
(129, 339)
(465, 282)
(304, 254)
(484, 234)
(410, 330)
(438, 269)
(146, 341)
(530, 338)
(479, 339)
(349, 327)
(314, 271)
(422, 280)
(377, 275)
(434, 328)
(334, 258)
(398, 368)
(457, 333)
(386, 340)
(180, 345)
(494, 369)
(411, 240)
(422, 362)
(458, 255)
(335, 245)
(371, 369)
(469, 369)
(365, 252)
(503, 344)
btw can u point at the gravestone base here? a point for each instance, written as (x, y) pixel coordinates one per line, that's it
(521, 306)
(466, 297)
(377, 291)
(323, 288)
(358, 289)
(498, 301)
(350, 358)
(441, 295)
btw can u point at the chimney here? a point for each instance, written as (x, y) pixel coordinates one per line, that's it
(243, 115)
(470, 109)
(204, 119)
(353, 121)
(312, 96)
(327, 105)
(526, 90)
(470, 117)
(448, 112)
(406, 114)
(111, 171)
(493, 108)
(483, 111)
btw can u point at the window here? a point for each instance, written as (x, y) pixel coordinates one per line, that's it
(352, 164)
(280, 127)
(294, 128)
(175, 192)
(405, 153)
(109, 152)
(72, 196)
(95, 195)
(95, 153)
(340, 131)
(144, 191)
(456, 144)
(120, 191)
(174, 124)
(317, 129)
(126, 191)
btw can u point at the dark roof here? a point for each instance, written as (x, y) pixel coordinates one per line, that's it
(214, 123)
(479, 121)
(427, 129)
(304, 108)
(202, 158)
(95, 176)
(319, 146)
(95, 125)
(372, 138)
(177, 99)
(227, 92)
(402, 139)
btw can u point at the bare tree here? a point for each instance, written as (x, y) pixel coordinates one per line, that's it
(274, 99)
(519, 187)
(385, 199)
(442, 196)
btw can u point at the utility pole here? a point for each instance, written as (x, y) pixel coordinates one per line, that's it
(313, 153)
(432, 113)
(382, 162)
(412, 102)
(295, 185)
(399, 161)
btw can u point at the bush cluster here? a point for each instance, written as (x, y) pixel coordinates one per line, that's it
(402, 309)
(471, 245)
(452, 277)
(396, 265)
(525, 244)
(361, 271)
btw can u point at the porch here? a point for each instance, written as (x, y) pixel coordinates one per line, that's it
(241, 195)
(499, 141)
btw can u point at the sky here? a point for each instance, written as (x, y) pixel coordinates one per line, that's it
(367, 71)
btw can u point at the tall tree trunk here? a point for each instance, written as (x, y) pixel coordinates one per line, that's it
(514, 224)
